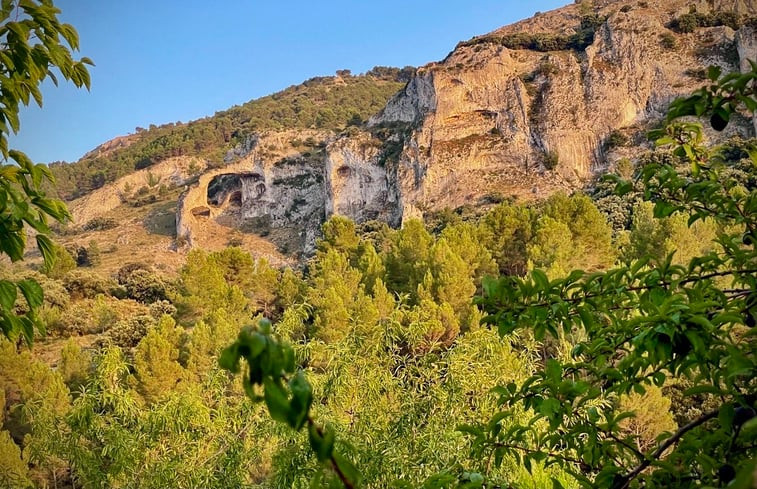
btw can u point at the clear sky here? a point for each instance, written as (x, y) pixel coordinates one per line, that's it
(161, 61)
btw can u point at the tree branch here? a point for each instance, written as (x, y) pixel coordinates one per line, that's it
(550, 454)
(624, 482)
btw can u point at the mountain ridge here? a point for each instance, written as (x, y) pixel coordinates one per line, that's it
(499, 117)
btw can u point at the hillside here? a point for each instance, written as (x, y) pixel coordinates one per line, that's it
(543, 105)
(331, 102)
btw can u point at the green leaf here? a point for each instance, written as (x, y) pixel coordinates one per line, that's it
(347, 469)
(540, 278)
(587, 318)
(725, 416)
(553, 370)
(47, 249)
(321, 441)
(302, 397)
(714, 72)
(229, 359)
(8, 294)
(701, 389)
(276, 400)
(32, 293)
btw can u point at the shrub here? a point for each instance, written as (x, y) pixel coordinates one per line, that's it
(86, 285)
(100, 224)
(127, 332)
(668, 41)
(145, 286)
(93, 254)
(123, 273)
(551, 159)
(615, 139)
(162, 308)
(690, 22)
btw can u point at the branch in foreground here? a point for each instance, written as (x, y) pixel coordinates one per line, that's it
(625, 481)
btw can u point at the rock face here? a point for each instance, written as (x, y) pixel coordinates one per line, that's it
(538, 106)
(285, 195)
(489, 119)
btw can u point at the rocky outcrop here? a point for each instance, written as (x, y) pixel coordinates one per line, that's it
(500, 116)
(520, 122)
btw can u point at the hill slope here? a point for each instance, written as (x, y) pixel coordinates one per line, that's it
(322, 102)
(542, 105)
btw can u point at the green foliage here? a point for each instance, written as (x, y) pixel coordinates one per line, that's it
(35, 44)
(615, 139)
(156, 361)
(635, 326)
(127, 333)
(144, 286)
(657, 239)
(652, 417)
(61, 263)
(13, 470)
(551, 159)
(668, 41)
(579, 41)
(692, 21)
(271, 377)
(74, 365)
(100, 224)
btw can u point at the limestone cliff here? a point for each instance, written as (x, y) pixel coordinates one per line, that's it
(537, 106)
(493, 119)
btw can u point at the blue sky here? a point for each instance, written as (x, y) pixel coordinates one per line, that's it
(161, 61)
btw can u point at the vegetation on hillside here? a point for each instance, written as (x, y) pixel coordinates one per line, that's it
(329, 103)
(382, 326)
(547, 41)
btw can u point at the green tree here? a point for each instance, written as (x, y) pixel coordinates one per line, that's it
(156, 360)
(35, 44)
(13, 470)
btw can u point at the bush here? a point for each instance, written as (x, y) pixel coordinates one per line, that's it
(100, 224)
(162, 308)
(551, 159)
(145, 286)
(615, 139)
(93, 254)
(580, 40)
(668, 41)
(690, 22)
(123, 273)
(86, 285)
(127, 332)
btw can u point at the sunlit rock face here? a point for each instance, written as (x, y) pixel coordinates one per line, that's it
(487, 121)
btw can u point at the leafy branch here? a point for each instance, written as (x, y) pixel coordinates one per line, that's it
(272, 376)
